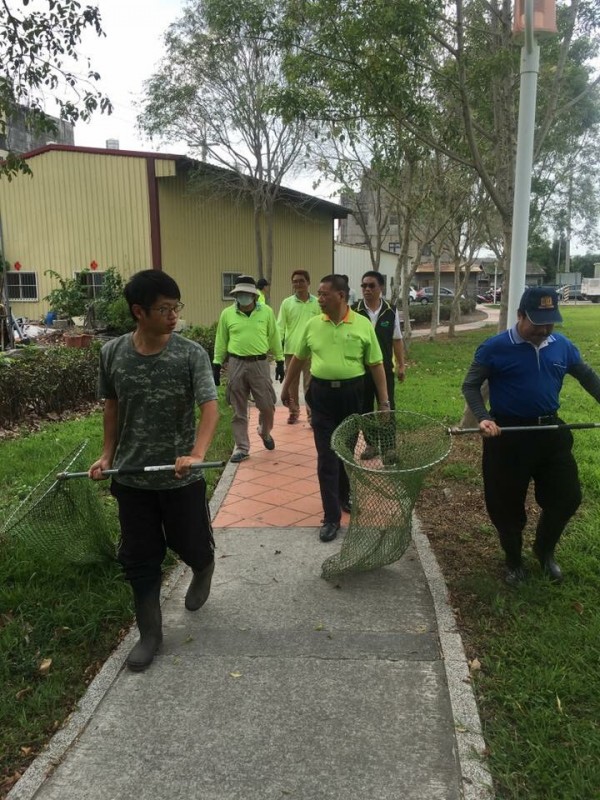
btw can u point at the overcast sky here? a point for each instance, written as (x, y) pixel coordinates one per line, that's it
(125, 58)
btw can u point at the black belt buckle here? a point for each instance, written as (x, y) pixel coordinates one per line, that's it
(336, 384)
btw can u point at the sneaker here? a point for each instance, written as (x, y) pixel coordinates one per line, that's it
(369, 453)
(268, 440)
(239, 456)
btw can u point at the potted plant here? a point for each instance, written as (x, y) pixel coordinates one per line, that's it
(69, 298)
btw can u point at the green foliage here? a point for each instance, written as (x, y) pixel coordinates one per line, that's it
(111, 307)
(37, 51)
(422, 312)
(69, 298)
(47, 381)
(204, 335)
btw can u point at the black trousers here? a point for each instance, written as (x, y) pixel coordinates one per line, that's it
(330, 406)
(510, 462)
(370, 393)
(151, 521)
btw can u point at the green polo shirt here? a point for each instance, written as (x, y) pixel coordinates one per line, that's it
(342, 351)
(243, 335)
(292, 318)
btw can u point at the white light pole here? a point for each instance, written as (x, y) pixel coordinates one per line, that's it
(531, 17)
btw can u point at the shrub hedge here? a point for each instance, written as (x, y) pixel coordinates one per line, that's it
(422, 313)
(204, 335)
(43, 381)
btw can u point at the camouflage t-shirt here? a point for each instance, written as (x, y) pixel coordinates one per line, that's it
(156, 397)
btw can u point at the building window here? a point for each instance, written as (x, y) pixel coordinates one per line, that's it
(227, 283)
(93, 281)
(22, 286)
(393, 219)
(394, 247)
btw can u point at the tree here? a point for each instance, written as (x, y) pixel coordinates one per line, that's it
(447, 73)
(214, 90)
(38, 50)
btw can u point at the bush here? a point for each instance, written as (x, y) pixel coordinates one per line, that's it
(47, 381)
(204, 335)
(70, 298)
(422, 313)
(111, 309)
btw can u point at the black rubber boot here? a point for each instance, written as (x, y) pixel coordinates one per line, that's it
(548, 564)
(149, 622)
(199, 588)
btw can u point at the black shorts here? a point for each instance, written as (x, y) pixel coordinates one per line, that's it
(152, 520)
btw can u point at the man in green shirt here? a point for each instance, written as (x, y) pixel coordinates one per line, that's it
(342, 346)
(246, 333)
(294, 313)
(151, 380)
(262, 284)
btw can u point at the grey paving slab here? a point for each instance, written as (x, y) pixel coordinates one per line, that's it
(282, 685)
(307, 729)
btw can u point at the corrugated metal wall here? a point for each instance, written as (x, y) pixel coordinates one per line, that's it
(203, 236)
(77, 208)
(354, 261)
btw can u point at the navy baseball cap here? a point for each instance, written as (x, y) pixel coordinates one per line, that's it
(540, 305)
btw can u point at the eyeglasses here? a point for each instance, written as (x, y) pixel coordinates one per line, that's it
(368, 286)
(164, 311)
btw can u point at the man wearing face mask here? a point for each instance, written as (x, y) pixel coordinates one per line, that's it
(525, 368)
(246, 333)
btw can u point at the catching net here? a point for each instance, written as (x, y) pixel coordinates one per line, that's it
(66, 518)
(386, 456)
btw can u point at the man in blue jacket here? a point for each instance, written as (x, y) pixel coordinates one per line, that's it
(525, 367)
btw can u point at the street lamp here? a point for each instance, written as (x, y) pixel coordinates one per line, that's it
(533, 18)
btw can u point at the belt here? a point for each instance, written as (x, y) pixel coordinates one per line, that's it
(338, 384)
(248, 358)
(544, 419)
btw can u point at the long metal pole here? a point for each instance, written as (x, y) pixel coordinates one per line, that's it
(530, 65)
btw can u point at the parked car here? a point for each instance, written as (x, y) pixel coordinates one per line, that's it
(574, 293)
(425, 295)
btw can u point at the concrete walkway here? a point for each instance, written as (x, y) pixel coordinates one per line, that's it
(283, 685)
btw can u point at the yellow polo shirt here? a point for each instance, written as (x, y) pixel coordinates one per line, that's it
(339, 352)
(243, 335)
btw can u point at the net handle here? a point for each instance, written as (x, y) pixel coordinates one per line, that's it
(563, 426)
(64, 476)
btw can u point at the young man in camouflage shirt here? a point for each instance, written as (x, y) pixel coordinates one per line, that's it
(151, 380)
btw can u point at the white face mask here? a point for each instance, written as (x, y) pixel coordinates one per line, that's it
(244, 299)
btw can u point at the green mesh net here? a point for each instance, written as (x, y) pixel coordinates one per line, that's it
(386, 456)
(72, 519)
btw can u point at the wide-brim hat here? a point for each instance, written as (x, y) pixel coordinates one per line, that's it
(540, 305)
(246, 284)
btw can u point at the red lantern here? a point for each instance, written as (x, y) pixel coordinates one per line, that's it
(94, 265)
(17, 265)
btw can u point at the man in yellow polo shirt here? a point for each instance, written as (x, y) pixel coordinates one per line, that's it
(342, 345)
(294, 313)
(246, 333)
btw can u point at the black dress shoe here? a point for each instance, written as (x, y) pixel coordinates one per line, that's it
(549, 566)
(515, 576)
(329, 531)
(346, 506)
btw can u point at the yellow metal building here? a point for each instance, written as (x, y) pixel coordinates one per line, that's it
(92, 209)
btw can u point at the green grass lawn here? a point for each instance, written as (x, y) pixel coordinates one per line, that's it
(538, 689)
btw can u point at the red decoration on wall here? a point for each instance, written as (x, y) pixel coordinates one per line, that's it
(94, 265)
(17, 265)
